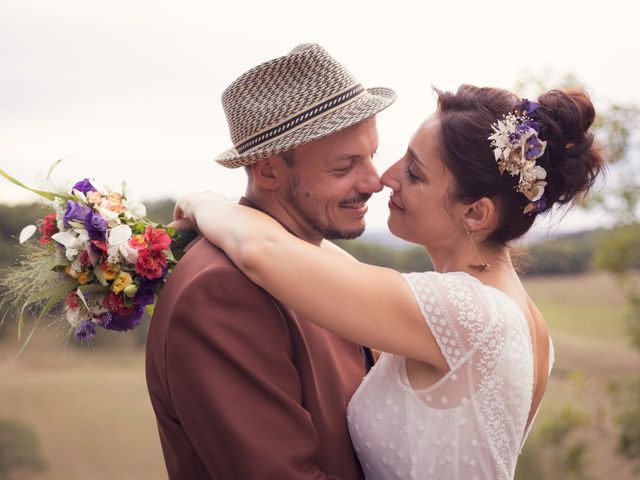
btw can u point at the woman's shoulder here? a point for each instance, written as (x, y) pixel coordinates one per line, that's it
(451, 285)
(458, 285)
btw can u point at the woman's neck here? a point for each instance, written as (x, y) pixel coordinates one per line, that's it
(470, 260)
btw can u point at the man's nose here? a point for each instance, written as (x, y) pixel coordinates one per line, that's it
(390, 176)
(370, 182)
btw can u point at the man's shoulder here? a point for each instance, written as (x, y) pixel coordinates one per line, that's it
(204, 258)
(205, 265)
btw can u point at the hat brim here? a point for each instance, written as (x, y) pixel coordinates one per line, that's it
(374, 100)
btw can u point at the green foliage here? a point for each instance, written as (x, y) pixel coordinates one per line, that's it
(19, 449)
(12, 220)
(412, 259)
(633, 326)
(620, 251)
(628, 422)
(617, 130)
(571, 254)
(562, 423)
(556, 450)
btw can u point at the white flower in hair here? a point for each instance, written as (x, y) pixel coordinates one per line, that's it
(516, 148)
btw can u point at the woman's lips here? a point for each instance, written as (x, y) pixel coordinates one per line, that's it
(394, 206)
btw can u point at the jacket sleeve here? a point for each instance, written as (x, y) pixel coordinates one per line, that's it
(233, 384)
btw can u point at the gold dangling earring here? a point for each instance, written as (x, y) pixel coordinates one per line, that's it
(481, 267)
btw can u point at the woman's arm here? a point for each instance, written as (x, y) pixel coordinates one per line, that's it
(370, 305)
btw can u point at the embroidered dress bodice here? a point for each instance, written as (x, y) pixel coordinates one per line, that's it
(469, 425)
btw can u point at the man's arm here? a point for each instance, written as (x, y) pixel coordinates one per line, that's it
(233, 384)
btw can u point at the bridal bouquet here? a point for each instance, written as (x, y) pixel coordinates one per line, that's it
(98, 260)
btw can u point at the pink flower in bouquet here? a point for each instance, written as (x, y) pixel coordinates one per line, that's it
(137, 242)
(157, 239)
(151, 264)
(113, 202)
(94, 198)
(48, 228)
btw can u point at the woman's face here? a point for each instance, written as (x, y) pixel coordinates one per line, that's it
(421, 209)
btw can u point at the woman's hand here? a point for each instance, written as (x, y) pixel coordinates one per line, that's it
(185, 213)
(192, 205)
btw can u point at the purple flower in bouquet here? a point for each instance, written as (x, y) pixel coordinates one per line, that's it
(121, 323)
(75, 212)
(146, 292)
(103, 319)
(145, 296)
(84, 186)
(96, 226)
(86, 330)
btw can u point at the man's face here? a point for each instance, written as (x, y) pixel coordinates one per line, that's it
(330, 181)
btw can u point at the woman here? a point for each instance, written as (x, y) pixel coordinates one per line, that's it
(455, 399)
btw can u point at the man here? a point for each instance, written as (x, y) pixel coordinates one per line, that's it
(242, 387)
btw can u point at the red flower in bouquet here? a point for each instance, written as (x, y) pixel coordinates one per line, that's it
(72, 300)
(114, 302)
(151, 264)
(157, 239)
(48, 228)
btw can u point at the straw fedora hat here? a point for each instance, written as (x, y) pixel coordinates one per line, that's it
(292, 100)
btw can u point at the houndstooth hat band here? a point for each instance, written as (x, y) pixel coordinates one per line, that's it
(292, 100)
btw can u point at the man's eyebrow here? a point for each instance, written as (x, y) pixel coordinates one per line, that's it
(354, 156)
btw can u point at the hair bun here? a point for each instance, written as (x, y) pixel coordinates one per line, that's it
(570, 110)
(572, 160)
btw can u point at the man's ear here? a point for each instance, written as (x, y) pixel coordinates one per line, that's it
(481, 215)
(270, 173)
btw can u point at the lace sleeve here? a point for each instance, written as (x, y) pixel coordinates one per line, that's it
(455, 310)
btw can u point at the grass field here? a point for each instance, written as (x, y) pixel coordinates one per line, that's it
(586, 315)
(90, 410)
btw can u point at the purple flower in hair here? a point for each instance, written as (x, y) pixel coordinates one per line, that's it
(76, 212)
(86, 330)
(84, 186)
(538, 206)
(528, 106)
(533, 147)
(541, 204)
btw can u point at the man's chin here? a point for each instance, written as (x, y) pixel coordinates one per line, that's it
(334, 234)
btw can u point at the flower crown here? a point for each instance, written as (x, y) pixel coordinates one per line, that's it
(516, 147)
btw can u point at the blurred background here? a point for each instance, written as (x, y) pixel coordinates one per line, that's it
(130, 91)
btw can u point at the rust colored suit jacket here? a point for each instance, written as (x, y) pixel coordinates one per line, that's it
(242, 387)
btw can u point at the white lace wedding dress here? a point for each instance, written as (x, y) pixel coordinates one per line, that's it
(470, 425)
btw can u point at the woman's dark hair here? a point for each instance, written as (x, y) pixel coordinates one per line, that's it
(571, 158)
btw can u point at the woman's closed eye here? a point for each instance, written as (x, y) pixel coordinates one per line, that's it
(409, 172)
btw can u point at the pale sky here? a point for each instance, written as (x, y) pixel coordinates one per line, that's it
(130, 90)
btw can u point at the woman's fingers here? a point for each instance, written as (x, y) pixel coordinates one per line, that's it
(183, 224)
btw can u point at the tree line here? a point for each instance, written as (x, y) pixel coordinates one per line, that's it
(566, 255)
